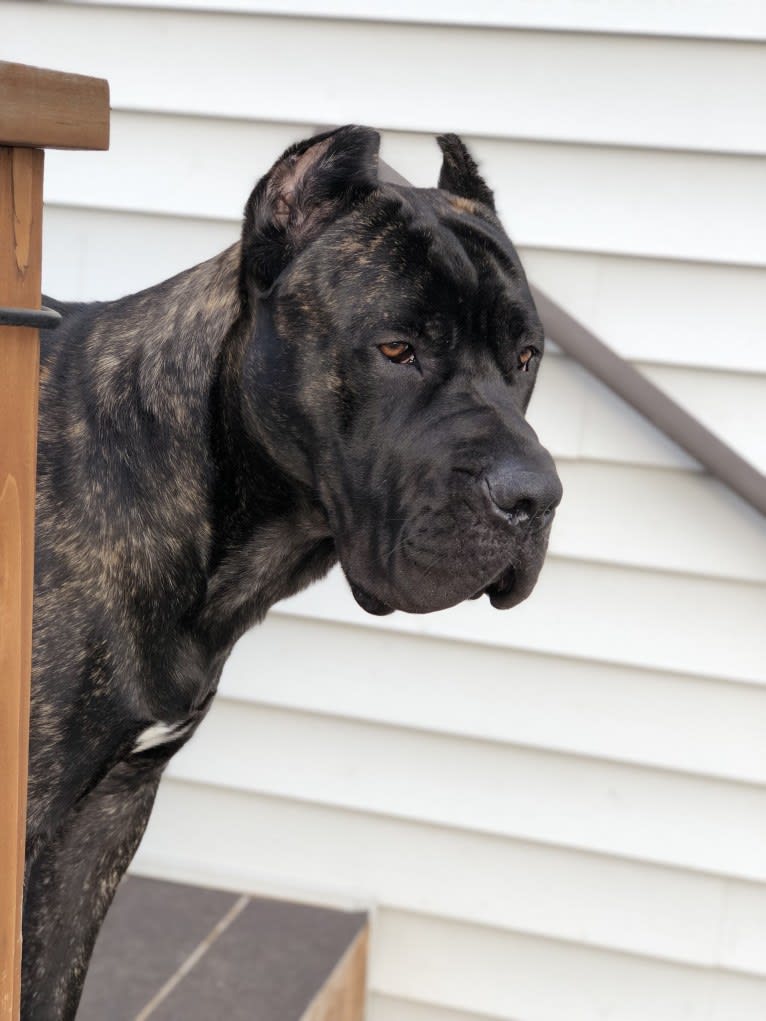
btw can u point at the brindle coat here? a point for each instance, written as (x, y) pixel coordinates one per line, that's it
(348, 382)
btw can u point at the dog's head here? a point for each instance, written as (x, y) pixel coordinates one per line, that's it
(397, 349)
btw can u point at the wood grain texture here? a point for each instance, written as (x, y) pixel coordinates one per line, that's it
(342, 996)
(52, 109)
(21, 185)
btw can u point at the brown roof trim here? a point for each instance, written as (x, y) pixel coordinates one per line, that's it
(635, 389)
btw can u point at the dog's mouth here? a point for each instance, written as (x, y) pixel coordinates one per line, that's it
(501, 593)
(369, 602)
(508, 589)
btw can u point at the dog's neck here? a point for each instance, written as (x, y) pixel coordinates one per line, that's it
(270, 535)
(225, 533)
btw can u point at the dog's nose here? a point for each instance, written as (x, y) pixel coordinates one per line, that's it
(524, 495)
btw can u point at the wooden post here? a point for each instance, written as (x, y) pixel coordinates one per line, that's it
(37, 109)
(21, 191)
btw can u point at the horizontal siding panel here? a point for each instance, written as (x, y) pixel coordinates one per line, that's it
(740, 19)
(643, 203)
(234, 65)
(646, 203)
(472, 785)
(97, 255)
(660, 311)
(261, 843)
(656, 518)
(578, 417)
(508, 976)
(197, 167)
(576, 706)
(693, 314)
(391, 1008)
(650, 619)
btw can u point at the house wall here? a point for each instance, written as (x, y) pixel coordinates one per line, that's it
(558, 814)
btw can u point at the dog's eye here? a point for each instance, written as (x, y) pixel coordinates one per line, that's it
(525, 357)
(398, 351)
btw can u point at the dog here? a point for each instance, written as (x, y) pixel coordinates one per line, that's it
(346, 383)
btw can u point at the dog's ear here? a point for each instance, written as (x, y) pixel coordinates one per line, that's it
(311, 184)
(459, 173)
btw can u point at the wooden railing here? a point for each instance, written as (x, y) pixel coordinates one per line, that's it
(38, 109)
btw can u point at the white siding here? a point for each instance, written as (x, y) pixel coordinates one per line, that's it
(524, 84)
(558, 813)
(737, 19)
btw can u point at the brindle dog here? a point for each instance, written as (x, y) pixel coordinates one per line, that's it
(347, 383)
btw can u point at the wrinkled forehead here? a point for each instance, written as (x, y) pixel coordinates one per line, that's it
(414, 254)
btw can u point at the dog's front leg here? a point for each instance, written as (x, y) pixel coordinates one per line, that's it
(71, 885)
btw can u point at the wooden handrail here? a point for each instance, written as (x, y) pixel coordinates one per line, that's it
(38, 108)
(52, 109)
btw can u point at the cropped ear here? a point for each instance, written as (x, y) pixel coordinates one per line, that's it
(459, 173)
(310, 185)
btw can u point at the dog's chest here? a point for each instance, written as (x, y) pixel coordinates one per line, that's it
(161, 733)
(164, 736)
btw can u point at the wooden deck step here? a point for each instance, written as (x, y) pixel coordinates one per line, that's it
(171, 952)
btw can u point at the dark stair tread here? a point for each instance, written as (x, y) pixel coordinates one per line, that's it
(268, 964)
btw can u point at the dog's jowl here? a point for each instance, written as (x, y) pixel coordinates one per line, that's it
(347, 383)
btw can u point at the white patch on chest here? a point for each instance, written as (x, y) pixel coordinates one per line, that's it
(159, 733)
